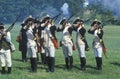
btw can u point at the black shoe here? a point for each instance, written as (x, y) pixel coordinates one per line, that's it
(24, 60)
(99, 63)
(83, 68)
(52, 70)
(99, 68)
(3, 70)
(87, 49)
(83, 63)
(9, 70)
(71, 63)
(52, 64)
(70, 68)
(47, 70)
(33, 71)
(67, 63)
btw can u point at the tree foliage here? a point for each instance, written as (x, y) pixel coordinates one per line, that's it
(101, 13)
(10, 9)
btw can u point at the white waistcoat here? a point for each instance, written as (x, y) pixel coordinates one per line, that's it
(96, 40)
(78, 37)
(66, 38)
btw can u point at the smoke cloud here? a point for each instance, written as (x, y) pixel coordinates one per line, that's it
(86, 3)
(112, 5)
(65, 9)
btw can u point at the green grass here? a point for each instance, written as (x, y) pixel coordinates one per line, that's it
(111, 66)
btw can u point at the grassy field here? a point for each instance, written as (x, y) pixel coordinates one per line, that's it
(111, 66)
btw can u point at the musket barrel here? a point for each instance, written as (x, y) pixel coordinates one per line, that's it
(10, 27)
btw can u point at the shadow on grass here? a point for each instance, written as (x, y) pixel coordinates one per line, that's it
(76, 66)
(60, 66)
(115, 63)
(17, 59)
(41, 66)
(89, 66)
(20, 60)
(22, 68)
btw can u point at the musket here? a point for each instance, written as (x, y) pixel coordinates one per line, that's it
(55, 42)
(68, 19)
(73, 47)
(11, 27)
(103, 47)
(55, 17)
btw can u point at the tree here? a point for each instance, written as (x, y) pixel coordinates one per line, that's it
(12, 8)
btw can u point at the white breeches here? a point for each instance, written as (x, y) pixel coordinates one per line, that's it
(98, 52)
(67, 50)
(50, 51)
(81, 50)
(32, 51)
(5, 58)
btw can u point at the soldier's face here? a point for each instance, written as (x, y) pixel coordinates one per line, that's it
(64, 25)
(95, 25)
(1, 30)
(33, 26)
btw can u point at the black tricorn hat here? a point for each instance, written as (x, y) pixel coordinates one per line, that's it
(78, 20)
(29, 19)
(37, 21)
(47, 17)
(63, 21)
(96, 22)
(1, 26)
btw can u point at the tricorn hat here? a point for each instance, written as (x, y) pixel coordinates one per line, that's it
(78, 20)
(47, 17)
(37, 21)
(28, 19)
(96, 22)
(1, 26)
(63, 21)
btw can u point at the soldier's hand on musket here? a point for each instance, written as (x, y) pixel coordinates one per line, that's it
(92, 29)
(46, 22)
(52, 37)
(51, 21)
(68, 24)
(38, 44)
(101, 40)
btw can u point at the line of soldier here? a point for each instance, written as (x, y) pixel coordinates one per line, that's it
(39, 36)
